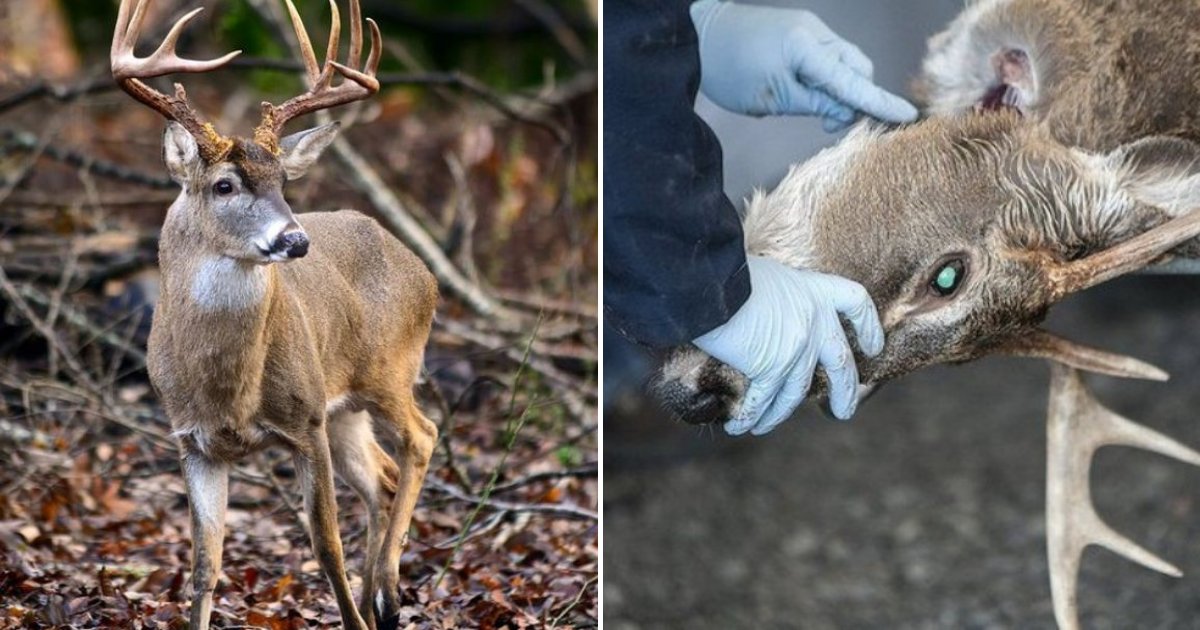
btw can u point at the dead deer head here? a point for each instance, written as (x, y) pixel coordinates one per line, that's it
(965, 231)
(1061, 155)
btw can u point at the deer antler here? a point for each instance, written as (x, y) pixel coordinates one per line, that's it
(1043, 344)
(321, 93)
(1131, 255)
(129, 70)
(1076, 426)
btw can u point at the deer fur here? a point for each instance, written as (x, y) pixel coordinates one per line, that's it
(1010, 189)
(311, 356)
(1062, 151)
(1101, 73)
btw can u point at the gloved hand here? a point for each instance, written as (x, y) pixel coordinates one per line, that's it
(787, 326)
(770, 60)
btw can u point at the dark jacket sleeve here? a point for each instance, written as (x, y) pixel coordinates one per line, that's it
(674, 259)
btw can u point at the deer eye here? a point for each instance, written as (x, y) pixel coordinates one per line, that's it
(223, 187)
(948, 278)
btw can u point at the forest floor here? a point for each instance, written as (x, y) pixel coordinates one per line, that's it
(93, 515)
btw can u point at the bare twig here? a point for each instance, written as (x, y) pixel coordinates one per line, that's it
(582, 590)
(574, 395)
(395, 216)
(108, 200)
(550, 448)
(52, 311)
(558, 28)
(285, 494)
(564, 511)
(506, 25)
(513, 427)
(461, 242)
(509, 349)
(476, 87)
(80, 321)
(30, 142)
(78, 372)
(483, 528)
(528, 110)
(589, 471)
(550, 305)
(446, 431)
(62, 93)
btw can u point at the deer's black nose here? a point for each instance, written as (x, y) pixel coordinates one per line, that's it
(292, 243)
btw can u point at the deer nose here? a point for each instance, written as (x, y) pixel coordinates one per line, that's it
(294, 243)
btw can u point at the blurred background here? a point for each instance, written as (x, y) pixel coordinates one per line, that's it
(481, 147)
(927, 509)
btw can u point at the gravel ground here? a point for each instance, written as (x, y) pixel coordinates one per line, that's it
(925, 511)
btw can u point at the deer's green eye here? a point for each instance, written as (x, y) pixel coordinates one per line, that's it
(948, 278)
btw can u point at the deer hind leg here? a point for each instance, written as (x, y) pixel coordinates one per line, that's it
(365, 467)
(207, 487)
(315, 469)
(1078, 425)
(416, 437)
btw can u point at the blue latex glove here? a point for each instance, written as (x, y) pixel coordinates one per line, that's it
(785, 329)
(769, 60)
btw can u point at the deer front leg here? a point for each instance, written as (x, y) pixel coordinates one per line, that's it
(315, 469)
(207, 487)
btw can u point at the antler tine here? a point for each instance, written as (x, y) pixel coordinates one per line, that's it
(355, 34)
(1131, 255)
(1076, 426)
(129, 70)
(366, 78)
(311, 70)
(335, 31)
(357, 84)
(1043, 344)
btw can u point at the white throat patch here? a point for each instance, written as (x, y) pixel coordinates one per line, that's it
(224, 284)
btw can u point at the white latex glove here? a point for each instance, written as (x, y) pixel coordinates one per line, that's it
(785, 329)
(771, 60)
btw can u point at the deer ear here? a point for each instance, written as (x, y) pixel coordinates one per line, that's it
(1159, 171)
(303, 148)
(180, 152)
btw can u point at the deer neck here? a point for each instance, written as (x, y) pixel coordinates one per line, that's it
(782, 224)
(216, 313)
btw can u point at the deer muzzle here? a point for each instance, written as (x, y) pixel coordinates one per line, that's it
(291, 243)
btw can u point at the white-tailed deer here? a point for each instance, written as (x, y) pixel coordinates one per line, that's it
(312, 356)
(1062, 153)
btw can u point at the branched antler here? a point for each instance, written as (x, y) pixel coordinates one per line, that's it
(322, 94)
(1076, 426)
(129, 70)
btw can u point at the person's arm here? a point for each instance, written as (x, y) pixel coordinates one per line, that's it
(675, 268)
(674, 262)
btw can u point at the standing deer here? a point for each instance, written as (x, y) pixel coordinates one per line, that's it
(311, 356)
(1063, 152)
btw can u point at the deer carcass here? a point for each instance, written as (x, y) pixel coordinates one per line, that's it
(1061, 152)
(311, 355)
